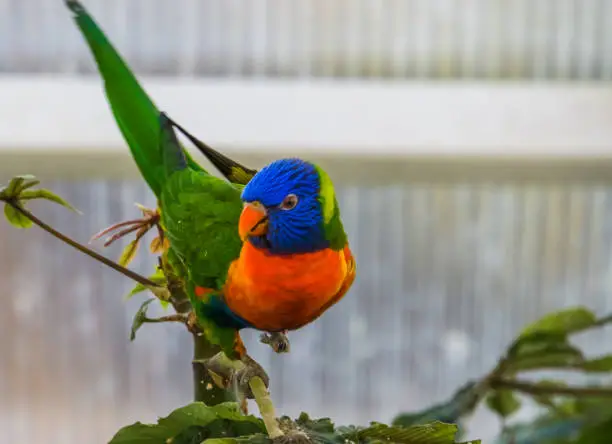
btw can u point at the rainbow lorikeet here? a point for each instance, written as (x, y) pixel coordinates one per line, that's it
(266, 250)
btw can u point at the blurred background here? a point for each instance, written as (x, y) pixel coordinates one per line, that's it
(471, 147)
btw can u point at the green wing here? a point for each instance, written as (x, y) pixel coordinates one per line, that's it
(200, 214)
(135, 113)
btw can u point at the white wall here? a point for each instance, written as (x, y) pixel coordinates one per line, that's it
(513, 119)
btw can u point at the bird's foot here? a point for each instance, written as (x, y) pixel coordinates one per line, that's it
(239, 374)
(243, 376)
(277, 340)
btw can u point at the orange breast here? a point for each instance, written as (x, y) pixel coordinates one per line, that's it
(275, 293)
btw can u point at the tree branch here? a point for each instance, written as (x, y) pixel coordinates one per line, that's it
(536, 389)
(170, 318)
(601, 322)
(83, 249)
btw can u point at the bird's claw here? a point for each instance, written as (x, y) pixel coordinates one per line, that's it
(250, 370)
(277, 340)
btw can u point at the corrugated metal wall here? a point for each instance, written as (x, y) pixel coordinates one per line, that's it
(484, 39)
(448, 273)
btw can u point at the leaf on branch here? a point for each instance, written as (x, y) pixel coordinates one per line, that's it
(601, 364)
(46, 195)
(195, 421)
(565, 321)
(503, 402)
(156, 245)
(18, 191)
(461, 404)
(432, 433)
(535, 355)
(158, 277)
(16, 185)
(15, 217)
(129, 252)
(140, 318)
(323, 430)
(29, 183)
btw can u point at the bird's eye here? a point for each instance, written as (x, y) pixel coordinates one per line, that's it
(289, 202)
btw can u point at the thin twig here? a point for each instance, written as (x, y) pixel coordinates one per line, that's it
(170, 318)
(536, 389)
(120, 234)
(83, 249)
(99, 234)
(603, 321)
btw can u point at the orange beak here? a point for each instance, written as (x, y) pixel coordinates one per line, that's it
(253, 220)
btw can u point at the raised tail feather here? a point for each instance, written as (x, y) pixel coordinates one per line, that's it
(232, 170)
(135, 113)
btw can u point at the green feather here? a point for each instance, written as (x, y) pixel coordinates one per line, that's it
(233, 171)
(199, 212)
(334, 230)
(135, 113)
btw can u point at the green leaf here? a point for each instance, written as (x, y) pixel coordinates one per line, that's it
(432, 433)
(192, 423)
(566, 321)
(16, 217)
(461, 404)
(29, 184)
(536, 343)
(158, 277)
(547, 356)
(128, 253)
(601, 364)
(47, 195)
(139, 318)
(321, 425)
(503, 402)
(17, 185)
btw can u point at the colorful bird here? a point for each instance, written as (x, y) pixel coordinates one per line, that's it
(272, 255)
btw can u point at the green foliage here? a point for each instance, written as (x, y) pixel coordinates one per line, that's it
(140, 318)
(193, 421)
(224, 424)
(15, 217)
(17, 192)
(45, 194)
(159, 278)
(571, 414)
(129, 253)
(570, 320)
(545, 343)
(503, 402)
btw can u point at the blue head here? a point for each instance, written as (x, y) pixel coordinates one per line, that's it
(284, 208)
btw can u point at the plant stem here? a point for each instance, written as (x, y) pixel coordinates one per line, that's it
(82, 248)
(204, 388)
(535, 389)
(266, 407)
(603, 321)
(178, 317)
